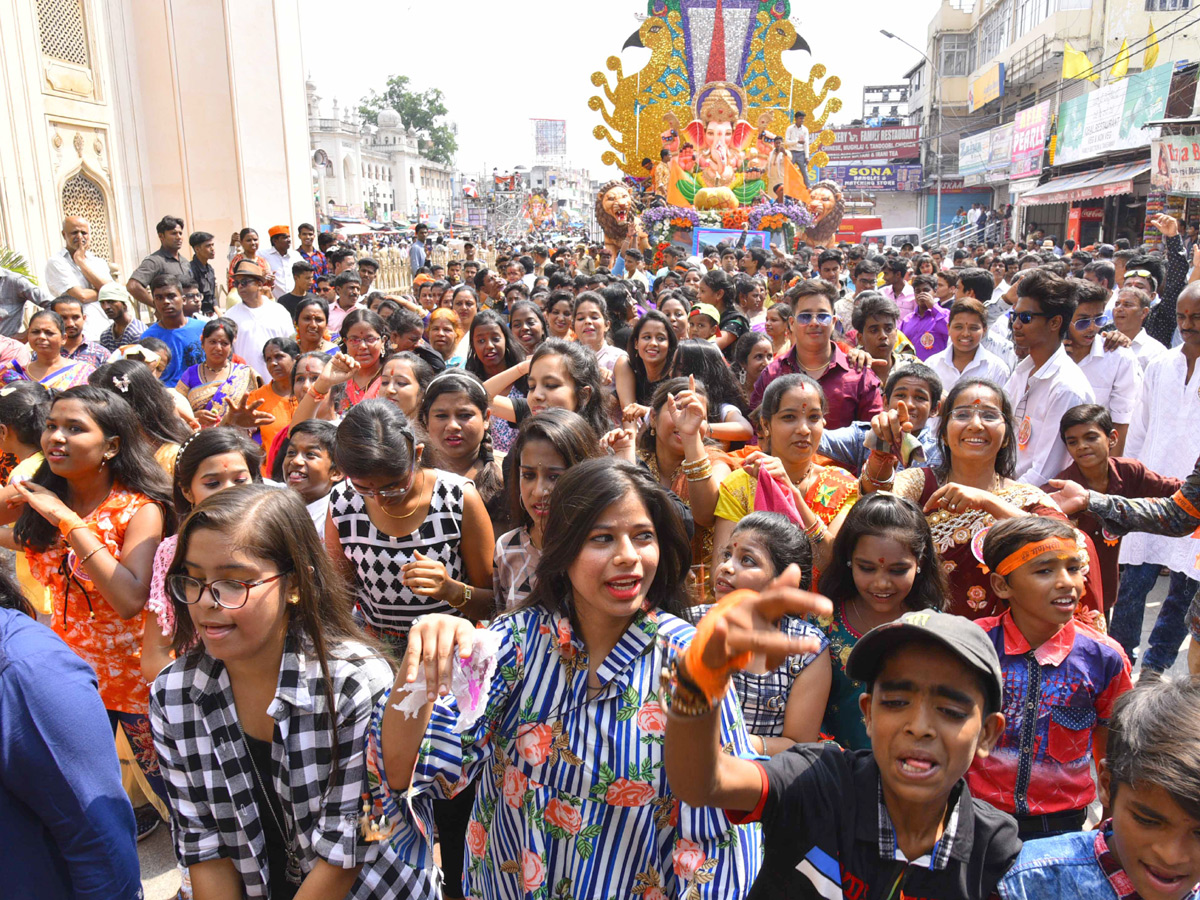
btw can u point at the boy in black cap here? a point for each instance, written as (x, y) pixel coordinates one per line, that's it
(896, 821)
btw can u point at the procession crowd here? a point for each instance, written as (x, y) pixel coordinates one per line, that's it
(587, 573)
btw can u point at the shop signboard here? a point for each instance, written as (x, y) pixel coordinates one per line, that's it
(973, 154)
(874, 177)
(999, 152)
(1113, 117)
(1029, 140)
(894, 142)
(1175, 165)
(987, 87)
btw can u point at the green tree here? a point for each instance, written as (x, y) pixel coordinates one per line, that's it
(422, 111)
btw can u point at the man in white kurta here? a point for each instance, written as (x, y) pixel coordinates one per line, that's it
(1164, 436)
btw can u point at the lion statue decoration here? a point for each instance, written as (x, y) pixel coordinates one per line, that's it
(615, 213)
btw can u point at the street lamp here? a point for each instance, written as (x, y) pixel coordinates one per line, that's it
(938, 135)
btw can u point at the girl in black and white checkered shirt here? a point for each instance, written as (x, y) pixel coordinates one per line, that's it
(260, 727)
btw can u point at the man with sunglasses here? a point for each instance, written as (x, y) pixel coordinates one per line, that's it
(258, 318)
(852, 395)
(1115, 375)
(1047, 382)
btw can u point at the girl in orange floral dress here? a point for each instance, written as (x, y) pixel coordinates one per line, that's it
(90, 519)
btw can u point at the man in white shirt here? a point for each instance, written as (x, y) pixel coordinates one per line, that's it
(1163, 437)
(258, 319)
(796, 140)
(973, 216)
(1115, 376)
(1129, 313)
(281, 257)
(1047, 382)
(79, 273)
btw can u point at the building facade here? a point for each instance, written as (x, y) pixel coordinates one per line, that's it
(366, 173)
(123, 111)
(999, 86)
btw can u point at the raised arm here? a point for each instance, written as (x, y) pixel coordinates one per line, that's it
(739, 626)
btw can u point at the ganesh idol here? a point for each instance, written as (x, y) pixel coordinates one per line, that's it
(721, 138)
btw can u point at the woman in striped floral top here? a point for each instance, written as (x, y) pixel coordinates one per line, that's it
(572, 797)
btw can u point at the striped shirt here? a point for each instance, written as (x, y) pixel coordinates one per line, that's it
(570, 789)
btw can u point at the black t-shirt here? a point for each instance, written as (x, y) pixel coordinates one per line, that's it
(260, 752)
(734, 323)
(291, 302)
(822, 835)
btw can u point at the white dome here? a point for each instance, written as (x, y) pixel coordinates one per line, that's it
(389, 118)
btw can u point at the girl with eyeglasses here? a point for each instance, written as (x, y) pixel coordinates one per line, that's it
(972, 489)
(351, 375)
(89, 521)
(412, 540)
(261, 721)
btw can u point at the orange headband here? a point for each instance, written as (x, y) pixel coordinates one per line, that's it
(1061, 546)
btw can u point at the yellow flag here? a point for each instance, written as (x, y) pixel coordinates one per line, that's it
(1121, 67)
(1150, 54)
(1076, 64)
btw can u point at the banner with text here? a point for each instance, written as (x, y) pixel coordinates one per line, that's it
(999, 152)
(1175, 165)
(866, 177)
(973, 153)
(855, 144)
(1029, 140)
(1113, 117)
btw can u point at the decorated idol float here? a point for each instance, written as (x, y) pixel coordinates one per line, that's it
(715, 95)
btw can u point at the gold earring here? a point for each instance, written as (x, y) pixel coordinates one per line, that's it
(293, 600)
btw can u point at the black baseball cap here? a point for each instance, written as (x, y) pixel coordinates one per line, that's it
(960, 636)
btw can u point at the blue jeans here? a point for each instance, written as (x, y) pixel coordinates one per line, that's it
(1169, 628)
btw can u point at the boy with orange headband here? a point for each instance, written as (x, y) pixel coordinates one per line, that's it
(1061, 679)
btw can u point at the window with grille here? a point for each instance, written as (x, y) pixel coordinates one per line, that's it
(958, 54)
(63, 30)
(82, 197)
(1167, 5)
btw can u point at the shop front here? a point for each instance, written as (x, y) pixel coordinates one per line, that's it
(1096, 205)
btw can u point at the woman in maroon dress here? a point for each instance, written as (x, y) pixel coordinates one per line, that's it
(971, 490)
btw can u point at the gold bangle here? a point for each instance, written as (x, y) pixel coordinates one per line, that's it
(93, 553)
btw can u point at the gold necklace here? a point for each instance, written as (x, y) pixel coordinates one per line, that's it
(383, 510)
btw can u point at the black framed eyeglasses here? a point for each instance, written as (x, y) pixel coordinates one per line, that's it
(1026, 317)
(228, 593)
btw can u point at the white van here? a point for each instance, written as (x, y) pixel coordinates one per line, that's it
(892, 237)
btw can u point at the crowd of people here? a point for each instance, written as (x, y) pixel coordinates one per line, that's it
(817, 573)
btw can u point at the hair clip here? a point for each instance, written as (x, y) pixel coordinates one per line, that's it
(8, 389)
(121, 383)
(184, 446)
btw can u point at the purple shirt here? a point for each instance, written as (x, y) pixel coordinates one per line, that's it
(929, 330)
(852, 396)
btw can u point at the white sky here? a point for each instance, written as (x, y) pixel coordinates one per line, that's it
(500, 64)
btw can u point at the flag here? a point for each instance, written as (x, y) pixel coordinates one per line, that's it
(1121, 67)
(1150, 54)
(1076, 64)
